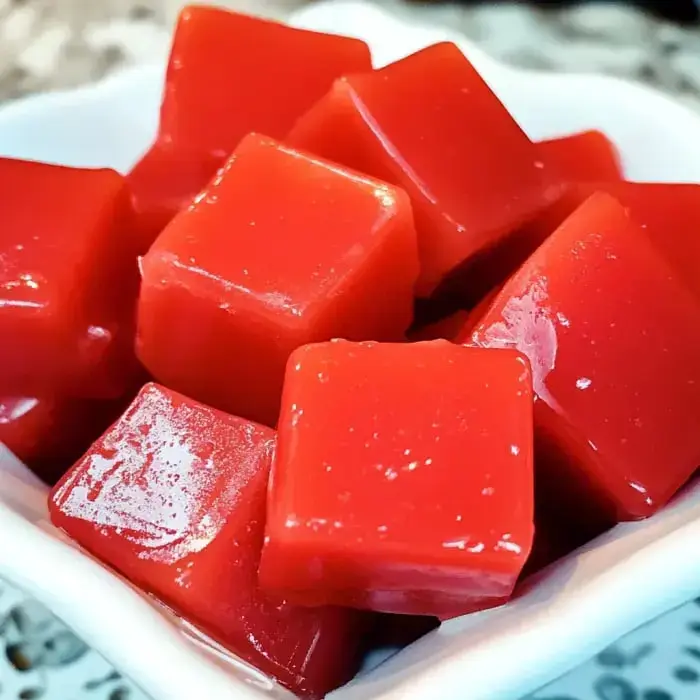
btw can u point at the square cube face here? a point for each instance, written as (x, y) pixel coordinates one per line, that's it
(280, 250)
(613, 338)
(431, 125)
(67, 266)
(403, 479)
(230, 74)
(173, 497)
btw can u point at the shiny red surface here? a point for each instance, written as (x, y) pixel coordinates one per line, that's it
(431, 125)
(173, 497)
(613, 338)
(403, 479)
(667, 214)
(68, 281)
(230, 74)
(280, 250)
(163, 182)
(588, 156)
(50, 434)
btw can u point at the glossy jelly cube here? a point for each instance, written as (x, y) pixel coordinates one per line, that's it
(587, 156)
(280, 250)
(173, 497)
(230, 74)
(613, 338)
(68, 281)
(431, 125)
(403, 478)
(667, 214)
(50, 434)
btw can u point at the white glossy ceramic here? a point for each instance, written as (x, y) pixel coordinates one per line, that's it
(578, 606)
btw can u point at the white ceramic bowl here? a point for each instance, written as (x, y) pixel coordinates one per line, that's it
(571, 611)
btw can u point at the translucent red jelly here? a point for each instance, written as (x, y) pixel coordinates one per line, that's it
(430, 124)
(281, 249)
(403, 478)
(173, 497)
(613, 338)
(584, 157)
(667, 214)
(68, 281)
(588, 156)
(230, 74)
(49, 434)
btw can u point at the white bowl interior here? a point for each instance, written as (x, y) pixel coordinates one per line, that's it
(568, 613)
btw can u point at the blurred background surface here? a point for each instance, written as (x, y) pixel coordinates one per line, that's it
(49, 44)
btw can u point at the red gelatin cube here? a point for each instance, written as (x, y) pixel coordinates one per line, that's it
(414, 500)
(667, 214)
(431, 125)
(228, 75)
(280, 250)
(163, 182)
(173, 497)
(613, 339)
(588, 156)
(68, 282)
(50, 434)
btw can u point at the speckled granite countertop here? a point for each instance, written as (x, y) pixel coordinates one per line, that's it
(46, 44)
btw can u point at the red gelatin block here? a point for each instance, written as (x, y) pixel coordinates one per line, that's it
(668, 214)
(164, 182)
(588, 156)
(280, 250)
(613, 339)
(49, 434)
(230, 74)
(68, 281)
(173, 497)
(401, 498)
(431, 125)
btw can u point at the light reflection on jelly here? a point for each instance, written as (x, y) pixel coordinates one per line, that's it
(530, 326)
